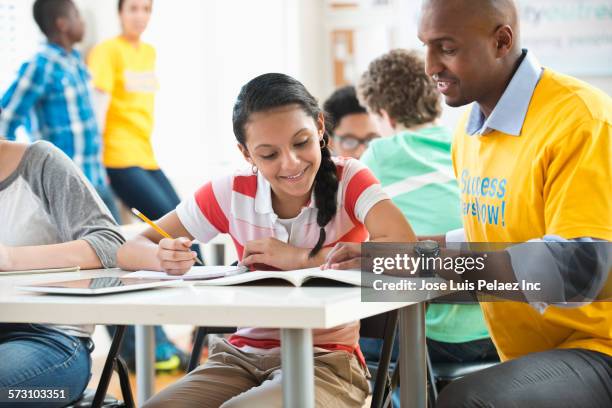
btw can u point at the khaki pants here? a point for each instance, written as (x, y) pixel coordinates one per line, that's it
(231, 378)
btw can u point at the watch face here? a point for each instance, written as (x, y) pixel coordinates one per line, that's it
(427, 246)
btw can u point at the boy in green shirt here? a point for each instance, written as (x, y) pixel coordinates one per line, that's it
(413, 163)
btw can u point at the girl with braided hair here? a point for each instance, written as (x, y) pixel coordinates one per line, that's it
(285, 211)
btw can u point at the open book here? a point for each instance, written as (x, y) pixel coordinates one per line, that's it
(195, 273)
(236, 275)
(296, 278)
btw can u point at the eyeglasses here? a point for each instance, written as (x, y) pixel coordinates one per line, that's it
(350, 142)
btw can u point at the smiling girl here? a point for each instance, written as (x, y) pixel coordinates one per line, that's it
(285, 211)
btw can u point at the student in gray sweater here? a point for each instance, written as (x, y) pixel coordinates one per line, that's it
(50, 217)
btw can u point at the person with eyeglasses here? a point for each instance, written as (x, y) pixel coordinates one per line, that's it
(352, 126)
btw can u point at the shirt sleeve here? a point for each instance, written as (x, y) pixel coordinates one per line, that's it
(454, 238)
(577, 195)
(571, 273)
(23, 94)
(202, 214)
(101, 66)
(363, 190)
(75, 208)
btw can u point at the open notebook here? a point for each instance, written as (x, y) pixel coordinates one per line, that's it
(236, 275)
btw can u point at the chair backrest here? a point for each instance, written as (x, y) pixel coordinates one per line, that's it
(382, 326)
(374, 326)
(198, 343)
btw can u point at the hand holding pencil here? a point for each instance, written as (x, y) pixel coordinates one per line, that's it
(180, 257)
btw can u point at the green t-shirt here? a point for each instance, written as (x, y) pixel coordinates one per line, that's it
(415, 169)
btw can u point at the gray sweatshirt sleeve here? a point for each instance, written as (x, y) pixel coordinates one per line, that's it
(69, 198)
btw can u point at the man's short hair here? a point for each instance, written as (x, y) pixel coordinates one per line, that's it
(46, 13)
(341, 103)
(397, 82)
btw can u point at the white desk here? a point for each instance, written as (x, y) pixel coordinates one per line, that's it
(296, 311)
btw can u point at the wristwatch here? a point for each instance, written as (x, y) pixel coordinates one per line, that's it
(426, 249)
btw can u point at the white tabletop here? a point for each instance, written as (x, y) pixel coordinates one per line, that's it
(257, 306)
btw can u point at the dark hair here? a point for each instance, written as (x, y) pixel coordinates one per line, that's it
(120, 5)
(269, 91)
(397, 82)
(341, 103)
(46, 13)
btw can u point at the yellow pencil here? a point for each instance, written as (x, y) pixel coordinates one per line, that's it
(158, 229)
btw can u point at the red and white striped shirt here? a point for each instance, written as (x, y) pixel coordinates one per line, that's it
(241, 205)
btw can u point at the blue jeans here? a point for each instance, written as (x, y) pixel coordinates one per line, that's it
(34, 355)
(149, 191)
(106, 194)
(477, 350)
(128, 346)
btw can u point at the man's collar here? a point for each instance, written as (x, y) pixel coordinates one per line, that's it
(510, 111)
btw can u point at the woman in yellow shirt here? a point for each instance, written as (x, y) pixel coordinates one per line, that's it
(123, 73)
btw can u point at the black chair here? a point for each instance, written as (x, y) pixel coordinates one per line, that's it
(440, 374)
(99, 398)
(382, 326)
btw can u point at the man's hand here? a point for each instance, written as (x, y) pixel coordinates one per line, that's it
(274, 253)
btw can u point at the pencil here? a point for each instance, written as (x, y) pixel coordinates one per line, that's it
(158, 229)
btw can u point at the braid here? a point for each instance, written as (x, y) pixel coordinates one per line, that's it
(325, 188)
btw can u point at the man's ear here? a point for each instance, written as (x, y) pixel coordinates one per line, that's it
(245, 153)
(504, 37)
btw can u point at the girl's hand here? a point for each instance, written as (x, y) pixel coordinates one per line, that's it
(5, 258)
(344, 255)
(175, 255)
(274, 253)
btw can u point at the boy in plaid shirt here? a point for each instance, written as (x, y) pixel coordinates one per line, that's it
(51, 95)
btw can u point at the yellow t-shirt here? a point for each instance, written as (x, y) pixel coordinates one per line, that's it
(127, 74)
(555, 178)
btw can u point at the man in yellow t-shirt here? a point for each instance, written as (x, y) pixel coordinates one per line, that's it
(533, 162)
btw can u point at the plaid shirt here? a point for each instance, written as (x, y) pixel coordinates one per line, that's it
(51, 98)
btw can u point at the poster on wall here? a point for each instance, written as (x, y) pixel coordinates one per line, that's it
(570, 36)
